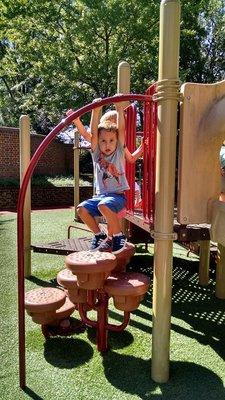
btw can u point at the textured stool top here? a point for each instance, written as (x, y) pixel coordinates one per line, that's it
(127, 283)
(44, 299)
(90, 261)
(90, 257)
(65, 275)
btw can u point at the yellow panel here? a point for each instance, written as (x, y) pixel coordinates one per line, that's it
(202, 132)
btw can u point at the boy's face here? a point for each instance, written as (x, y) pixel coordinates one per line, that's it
(107, 141)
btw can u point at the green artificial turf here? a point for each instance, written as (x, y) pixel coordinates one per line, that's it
(72, 368)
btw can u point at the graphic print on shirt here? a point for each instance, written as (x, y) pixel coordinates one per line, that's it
(109, 171)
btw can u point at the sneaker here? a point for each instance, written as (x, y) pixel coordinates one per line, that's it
(97, 240)
(118, 243)
(106, 245)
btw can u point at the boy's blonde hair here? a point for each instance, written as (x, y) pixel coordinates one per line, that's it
(109, 116)
(107, 126)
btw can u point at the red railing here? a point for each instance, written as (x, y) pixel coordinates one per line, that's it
(149, 157)
(131, 118)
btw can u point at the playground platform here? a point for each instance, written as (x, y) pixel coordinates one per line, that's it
(188, 236)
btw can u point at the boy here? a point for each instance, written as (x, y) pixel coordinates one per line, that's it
(110, 116)
(107, 147)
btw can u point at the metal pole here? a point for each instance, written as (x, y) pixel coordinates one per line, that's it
(123, 78)
(167, 96)
(123, 87)
(24, 124)
(204, 260)
(76, 174)
(220, 273)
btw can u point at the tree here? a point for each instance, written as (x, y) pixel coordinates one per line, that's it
(58, 55)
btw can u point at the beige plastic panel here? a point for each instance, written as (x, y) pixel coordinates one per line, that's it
(217, 231)
(202, 132)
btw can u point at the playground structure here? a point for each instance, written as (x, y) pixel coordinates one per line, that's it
(89, 280)
(201, 136)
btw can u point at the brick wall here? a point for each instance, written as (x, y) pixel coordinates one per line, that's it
(43, 197)
(56, 160)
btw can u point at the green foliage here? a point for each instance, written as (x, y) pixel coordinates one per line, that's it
(59, 55)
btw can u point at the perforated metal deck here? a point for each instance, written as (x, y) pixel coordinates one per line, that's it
(63, 247)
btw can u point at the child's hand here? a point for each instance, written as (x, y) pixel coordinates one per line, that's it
(122, 104)
(97, 109)
(69, 112)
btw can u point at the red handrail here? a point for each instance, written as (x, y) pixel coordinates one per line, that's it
(131, 118)
(150, 125)
(20, 208)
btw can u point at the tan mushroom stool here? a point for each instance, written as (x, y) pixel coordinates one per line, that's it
(69, 281)
(42, 303)
(123, 258)
(66, 310)
(91, 268)
(127, 289)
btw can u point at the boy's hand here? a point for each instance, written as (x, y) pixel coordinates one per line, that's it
(69, 112)
(97, 109)
(122, 104)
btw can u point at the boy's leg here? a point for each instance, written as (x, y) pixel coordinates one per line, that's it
(87, 211)
(109, 207)
(88, 219)
(111, 218)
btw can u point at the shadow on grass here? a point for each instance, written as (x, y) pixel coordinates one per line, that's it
(42, 282)
(115, 340)
(67, 353)
(32, 394)
(5, 222)
(188, 380)
(191, 303)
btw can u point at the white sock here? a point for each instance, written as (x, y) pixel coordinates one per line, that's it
(118, 234)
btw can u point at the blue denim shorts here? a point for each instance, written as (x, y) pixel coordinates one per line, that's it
(114, 201)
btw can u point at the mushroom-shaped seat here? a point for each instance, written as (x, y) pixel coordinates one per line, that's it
(123, 258)
(127, 289)
(66, 310)
(91, 268)
(69, 281)
(41, 304)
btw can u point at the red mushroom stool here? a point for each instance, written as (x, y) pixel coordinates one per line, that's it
(69, 281)
(42, 303)
(91, 268)
(127, 289)
(123, 258)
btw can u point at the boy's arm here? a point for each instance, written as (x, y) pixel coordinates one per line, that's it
(132, 157)
(95, 117)
(82, 130)
(80, 127)
(120, 122)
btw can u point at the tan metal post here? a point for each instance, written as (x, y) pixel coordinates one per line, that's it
(76, 173)
(123, 78)
(220, 273)
(123, 87)
(204, 259)
(167, 96)
(24, 125)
